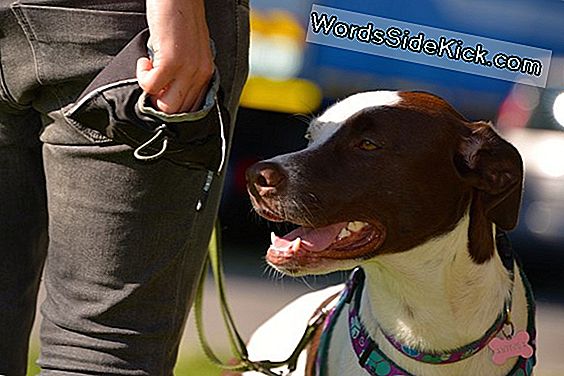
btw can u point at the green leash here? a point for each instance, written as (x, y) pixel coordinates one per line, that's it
(238, 347)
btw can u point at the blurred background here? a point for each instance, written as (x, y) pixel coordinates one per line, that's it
(291, 81)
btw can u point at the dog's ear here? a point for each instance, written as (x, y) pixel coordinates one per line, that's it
(493, 167)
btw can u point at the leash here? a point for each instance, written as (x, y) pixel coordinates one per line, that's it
(238, 347)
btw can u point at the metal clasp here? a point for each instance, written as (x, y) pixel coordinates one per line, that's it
(160, 131)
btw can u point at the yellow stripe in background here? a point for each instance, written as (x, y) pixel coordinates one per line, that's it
(291, 96)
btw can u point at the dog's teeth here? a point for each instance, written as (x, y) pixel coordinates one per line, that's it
(273, 237)
(296, 244)
(355, 226)
(343, 234)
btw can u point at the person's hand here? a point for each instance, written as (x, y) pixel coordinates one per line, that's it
(178, 76)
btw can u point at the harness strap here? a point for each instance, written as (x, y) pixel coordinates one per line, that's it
(316, 338)
(377, 363)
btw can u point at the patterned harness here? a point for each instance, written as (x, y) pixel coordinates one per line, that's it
(377, 363)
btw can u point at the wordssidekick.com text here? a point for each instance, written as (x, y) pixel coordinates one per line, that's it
(399, 38)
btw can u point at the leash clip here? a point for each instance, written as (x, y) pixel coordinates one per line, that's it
(162, 130)
(257, 366)
(290, 364)
(508, 323)
(318, 318)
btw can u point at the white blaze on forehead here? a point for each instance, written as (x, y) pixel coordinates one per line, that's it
(331, 120)
(341, 111)
(320, 132)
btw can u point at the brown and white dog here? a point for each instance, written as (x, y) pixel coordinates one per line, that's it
(402, 185)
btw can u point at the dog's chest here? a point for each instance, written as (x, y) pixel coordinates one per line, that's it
(342, 360)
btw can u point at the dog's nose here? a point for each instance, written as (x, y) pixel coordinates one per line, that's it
(265, 177)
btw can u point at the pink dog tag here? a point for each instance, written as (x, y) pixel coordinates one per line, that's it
(504, 349)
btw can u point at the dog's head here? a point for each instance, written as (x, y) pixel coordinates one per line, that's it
(385, 172)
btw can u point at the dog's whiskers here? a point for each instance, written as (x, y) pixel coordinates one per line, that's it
(305, 213)
(273, 274)
(315, 203)
(306, 283)
(309, 215)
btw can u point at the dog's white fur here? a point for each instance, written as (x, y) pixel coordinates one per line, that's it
(432, 296)
(323, 127)
(341, 111)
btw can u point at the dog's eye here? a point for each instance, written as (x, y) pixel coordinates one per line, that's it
(368, 145)
(308, 136)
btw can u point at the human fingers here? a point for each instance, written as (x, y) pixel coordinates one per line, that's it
(199, 100)
(185, 92)
(152, 79)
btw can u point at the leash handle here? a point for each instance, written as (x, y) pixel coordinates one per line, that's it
(238, 346)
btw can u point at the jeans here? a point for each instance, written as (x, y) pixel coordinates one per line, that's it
(119, 241)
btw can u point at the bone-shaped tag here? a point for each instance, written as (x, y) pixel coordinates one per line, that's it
(504, 349)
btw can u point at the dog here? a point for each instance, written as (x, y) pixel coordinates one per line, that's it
(402, 186)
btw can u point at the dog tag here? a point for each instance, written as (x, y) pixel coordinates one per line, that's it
(517, 345)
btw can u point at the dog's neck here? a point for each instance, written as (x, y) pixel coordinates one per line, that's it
(434, 297)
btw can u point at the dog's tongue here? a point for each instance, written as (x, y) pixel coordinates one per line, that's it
(309, 239)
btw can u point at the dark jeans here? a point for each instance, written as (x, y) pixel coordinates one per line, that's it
(122, 243)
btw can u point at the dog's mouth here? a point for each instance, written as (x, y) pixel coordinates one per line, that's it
(307, 247)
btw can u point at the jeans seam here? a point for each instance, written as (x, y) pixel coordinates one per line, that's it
(237, 49)
(22, 20)
(178, 309)
(37, 35)
(29, 35)
(7, 96)
(90, 135)
(40, 40)
(77, 9)
(237, 53)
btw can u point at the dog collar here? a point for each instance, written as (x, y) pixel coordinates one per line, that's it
(376, 363)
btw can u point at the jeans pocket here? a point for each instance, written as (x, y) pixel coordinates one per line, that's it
(73, 43)
(115, 106)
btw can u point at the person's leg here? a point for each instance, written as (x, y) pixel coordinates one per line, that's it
(121, 257)
(23, 217)
(22, 238)
(126, 243)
